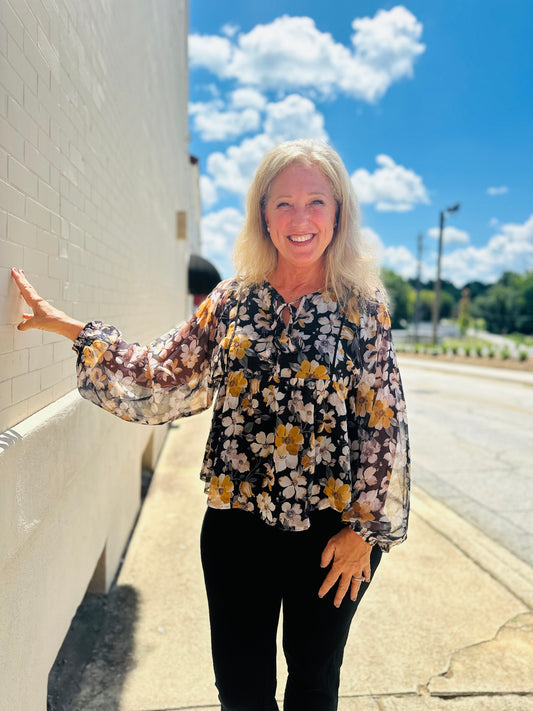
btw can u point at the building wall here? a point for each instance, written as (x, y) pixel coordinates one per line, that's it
(94, 169)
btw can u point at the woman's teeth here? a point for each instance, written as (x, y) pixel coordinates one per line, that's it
(300, 238)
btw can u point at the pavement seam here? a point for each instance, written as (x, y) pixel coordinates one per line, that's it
(443, 694)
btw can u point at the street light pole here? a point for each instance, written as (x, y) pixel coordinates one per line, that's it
(418, 284)
(436, 300)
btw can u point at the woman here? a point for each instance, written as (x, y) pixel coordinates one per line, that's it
(306, 465)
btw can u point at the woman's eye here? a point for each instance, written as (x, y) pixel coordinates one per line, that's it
(318, 202)
(283, 204)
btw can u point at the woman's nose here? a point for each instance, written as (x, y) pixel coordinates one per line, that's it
(299, 214)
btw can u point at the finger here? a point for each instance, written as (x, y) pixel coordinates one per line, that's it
(327, 555)
(354, 589)
(329, 581)
(342, 589)
(26, 324)
(367, 572)
(26, 289)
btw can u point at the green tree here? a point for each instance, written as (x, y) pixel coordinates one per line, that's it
(401, 300)
(507, 306)
(427, 297)
(464, 319)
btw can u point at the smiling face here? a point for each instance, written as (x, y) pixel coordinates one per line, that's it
(300, 215)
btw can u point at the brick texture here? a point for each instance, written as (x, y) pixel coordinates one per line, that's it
(94, 167)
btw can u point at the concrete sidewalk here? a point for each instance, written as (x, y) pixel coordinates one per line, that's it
(447, 623)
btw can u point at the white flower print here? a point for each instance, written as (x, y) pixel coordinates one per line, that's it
(293, 485)
(264, 444)
(190, 352)
(291, 515)
(233, 423)
(292, 432)
(265, 505)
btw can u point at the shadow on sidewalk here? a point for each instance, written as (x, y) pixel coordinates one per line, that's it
(97, 652)
(94, 661)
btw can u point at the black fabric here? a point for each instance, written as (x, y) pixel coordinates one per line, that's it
(250, 570)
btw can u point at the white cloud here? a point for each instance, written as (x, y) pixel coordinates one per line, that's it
(374, 242)
(234, 169)
(401, 260)
(291, 53)
(391, 187)
(247, 98)
(219, 230)
(511, 249)
(502, 190)
(209, 51)
(213, 124)
(293, 117)
(451, 235)
(208, 191)
(398, 258)
(229, 29)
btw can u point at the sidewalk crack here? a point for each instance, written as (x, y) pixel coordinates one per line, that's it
(492, 667)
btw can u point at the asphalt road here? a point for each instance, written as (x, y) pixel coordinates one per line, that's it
(472, 448)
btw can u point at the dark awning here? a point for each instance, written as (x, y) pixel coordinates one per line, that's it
(203, 276)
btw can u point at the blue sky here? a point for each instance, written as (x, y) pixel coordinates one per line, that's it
(427, 102)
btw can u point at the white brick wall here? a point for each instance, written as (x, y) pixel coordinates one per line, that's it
(93, 168)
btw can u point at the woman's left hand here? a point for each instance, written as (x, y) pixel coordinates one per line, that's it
(351, 562)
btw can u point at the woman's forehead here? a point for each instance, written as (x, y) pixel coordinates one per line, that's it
(300, 177)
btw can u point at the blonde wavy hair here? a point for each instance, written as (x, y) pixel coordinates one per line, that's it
(351, 267)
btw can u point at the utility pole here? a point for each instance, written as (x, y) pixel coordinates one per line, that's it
(418, 283)
(436, 301)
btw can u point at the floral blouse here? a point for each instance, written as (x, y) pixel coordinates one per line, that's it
(309, 411)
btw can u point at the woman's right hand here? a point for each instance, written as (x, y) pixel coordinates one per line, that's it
(45, 317)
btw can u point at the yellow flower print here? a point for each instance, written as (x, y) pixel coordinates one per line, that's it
(328, 422)
(308, 369)
(93, 354)
(320, 373)
(239, 346)
(383, 316)
(245, 489)
(220, 490)
(342, 390)
(381, 415)
(204, 313)
(338, 493)
(353, 312)
(288, 440)
(306, 462)
(305, 370)
(227, 338)
(364, 401)
(236, 384)
(362, 511)
(347, 333)
(254, 386)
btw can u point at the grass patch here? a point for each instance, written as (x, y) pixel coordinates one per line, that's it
(521, 339)
(471, 343)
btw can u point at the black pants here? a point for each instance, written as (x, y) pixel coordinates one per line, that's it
(250, 569)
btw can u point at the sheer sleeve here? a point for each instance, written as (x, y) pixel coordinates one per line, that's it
(170, 378)
(380, 451)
